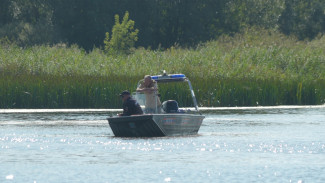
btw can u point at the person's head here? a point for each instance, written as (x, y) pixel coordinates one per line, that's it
(147, 80)
(125, 94)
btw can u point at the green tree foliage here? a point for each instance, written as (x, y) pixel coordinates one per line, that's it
(248, 13)
(304, 19)
(123, 37)
(162, 23)
(27, 22)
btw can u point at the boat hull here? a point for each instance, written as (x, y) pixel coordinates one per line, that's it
(155, 125)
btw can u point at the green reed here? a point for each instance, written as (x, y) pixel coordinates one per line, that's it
(102, 92)
(62, 92)
(248, 69)
(260, 92)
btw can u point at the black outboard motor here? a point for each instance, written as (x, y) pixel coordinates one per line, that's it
(170, 106)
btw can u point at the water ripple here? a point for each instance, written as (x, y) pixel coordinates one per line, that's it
(240, 146)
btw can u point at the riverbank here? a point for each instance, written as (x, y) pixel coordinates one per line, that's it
(203, 109)
(249, 69)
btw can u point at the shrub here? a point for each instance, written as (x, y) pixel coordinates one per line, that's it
(123, 36)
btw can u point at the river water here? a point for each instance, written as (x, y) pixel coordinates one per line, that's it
(263, 144)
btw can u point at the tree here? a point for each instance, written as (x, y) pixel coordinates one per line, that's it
(304, 19)
(123, 36)
(27, 22)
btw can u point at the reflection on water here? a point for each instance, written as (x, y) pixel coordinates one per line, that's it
(233, 145)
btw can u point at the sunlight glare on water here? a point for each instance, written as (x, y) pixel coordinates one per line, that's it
(233, 145)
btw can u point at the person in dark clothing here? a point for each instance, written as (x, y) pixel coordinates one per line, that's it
(130, 106)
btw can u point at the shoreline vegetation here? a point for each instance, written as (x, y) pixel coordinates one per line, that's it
(254, 68)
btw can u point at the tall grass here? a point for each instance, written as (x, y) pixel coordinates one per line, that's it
(257, 67)
(62, 92)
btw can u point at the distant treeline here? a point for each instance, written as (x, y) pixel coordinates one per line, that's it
(161, 23)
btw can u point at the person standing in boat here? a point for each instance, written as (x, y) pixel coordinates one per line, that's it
(130, 106)
(150, 89)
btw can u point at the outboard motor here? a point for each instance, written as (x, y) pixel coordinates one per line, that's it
(170, 106)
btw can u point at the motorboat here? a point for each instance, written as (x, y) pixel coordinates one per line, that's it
(167, 118)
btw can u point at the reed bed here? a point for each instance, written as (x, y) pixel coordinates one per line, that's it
(248, 69)
(62, 92)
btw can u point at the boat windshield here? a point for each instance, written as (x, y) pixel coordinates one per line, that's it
(149, 102)
(140, 98)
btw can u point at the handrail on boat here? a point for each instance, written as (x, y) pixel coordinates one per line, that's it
(193, 95)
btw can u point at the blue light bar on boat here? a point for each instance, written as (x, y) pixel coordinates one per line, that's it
(177, 75)
(169, 76)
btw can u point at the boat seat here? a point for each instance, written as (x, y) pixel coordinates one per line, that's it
(170, 106)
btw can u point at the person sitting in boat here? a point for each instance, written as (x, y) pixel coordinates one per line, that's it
(149, 87)
(130, 106)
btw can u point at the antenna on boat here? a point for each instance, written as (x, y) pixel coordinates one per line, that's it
(164, 73)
